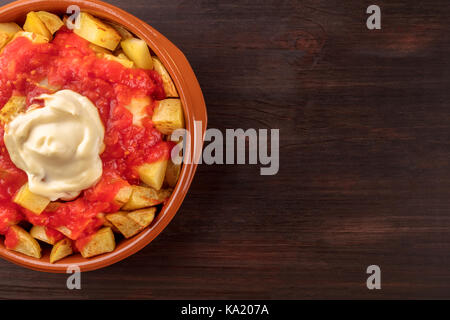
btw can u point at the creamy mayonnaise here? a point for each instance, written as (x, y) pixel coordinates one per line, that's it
(58, 146)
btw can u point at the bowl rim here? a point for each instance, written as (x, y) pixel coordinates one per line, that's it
(194, 110)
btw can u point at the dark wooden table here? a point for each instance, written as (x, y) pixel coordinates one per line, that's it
(364, 145)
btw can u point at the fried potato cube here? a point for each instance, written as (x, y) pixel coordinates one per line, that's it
(125, 225)
(123, 56)
(153, 174)
(143, 217)
(97, 32)
(65, 231)
(33, 37)
(7, 32)
(122, 59)
(123, 196)
(17, 239)
(4, 39)
(144, 197)
(34, 24)
(138, 51)
(108, 224)
(61, 249)
(172, 174)
(124, 33)
(138, 108)
(168, 116)
(169, 86)
(51, 21)
(101, 242)
(40, 233)
(98, 49)
(12, 108)
(10, 28)
(33, 202)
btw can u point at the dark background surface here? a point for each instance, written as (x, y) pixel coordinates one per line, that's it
(364, 145)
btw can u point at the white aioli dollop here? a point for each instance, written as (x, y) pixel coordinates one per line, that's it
(58, 146)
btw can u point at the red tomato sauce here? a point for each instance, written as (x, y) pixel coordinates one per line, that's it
(69, 63)
(9, 215)
(11, 239)
(53, 234)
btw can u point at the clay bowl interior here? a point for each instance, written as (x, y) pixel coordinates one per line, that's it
(194, 110)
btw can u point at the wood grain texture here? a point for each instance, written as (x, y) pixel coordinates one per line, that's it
(364, 147)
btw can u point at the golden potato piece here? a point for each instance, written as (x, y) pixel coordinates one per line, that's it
(172, 174)
(33, 202)
(12, 108)
(39, 233)
(10, 28)
(126, 226)
(153, 174)
(99, 49)
(143, 217)
(65, 231)
(4, 39)
(101, 242)
(50, 20)
(7, 32)
(23, 242)
(144, 197)
(123, 60)
(34, 24)
(123, 56)
(124, 33)
(168, 116)
(169, 86)
(138, 51)
(108, 224)
(61, 249)
(123, 195)
(33, 37)
(97, 32)
(138, 107)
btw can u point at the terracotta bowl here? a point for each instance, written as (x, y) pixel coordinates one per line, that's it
(194, 110)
